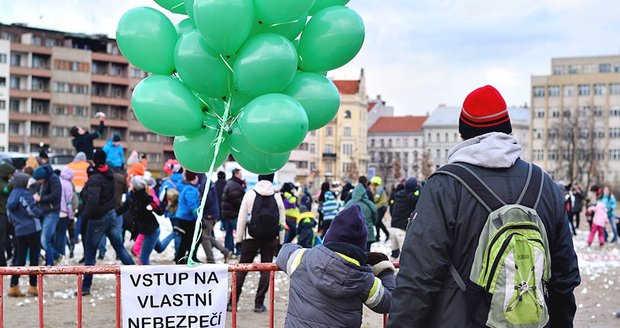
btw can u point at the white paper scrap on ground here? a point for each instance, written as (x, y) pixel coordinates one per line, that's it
(166, 296)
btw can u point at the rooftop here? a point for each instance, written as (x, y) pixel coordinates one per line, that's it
(347, 87)
(398, 124)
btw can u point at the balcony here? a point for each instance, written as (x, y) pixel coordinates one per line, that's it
(18, 116)
(109, 58)
(20, 47)
(104, 78)
(110, 101)
(111, 123)
(329, 156)
(23, 93)
(21, 139)
(42, 72)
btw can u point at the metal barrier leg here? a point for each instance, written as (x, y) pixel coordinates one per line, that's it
(1, 300)
(80, 277)
(385, 320)
(233, 294)
(40, 290)
(272, 280)
(118, 300)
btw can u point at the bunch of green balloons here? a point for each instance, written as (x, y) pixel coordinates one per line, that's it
(245, 77)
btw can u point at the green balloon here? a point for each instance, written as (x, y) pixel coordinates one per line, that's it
(200, 67)
(322, 4)
(166, 106)
(196, 151)
(147, 38)
(266, 63)
(189, 8)
(175, 6)
(318, 95)
(274, 123)
(251, 158)
(279, 11)
(289, 29)
(224, 24)
(185, 26)
(331, 39)
(239, 100)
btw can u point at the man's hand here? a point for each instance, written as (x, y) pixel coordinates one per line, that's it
(376, 257)
(36, 197)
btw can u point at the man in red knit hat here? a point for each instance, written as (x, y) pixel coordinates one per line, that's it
(470, 199)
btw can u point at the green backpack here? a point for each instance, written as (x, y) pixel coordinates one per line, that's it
(512, 261)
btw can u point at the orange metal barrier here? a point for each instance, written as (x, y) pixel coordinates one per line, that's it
(80, 271)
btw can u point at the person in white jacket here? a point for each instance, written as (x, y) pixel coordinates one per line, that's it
(260, 229)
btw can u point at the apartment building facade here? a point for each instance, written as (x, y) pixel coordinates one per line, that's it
(441, 133)
(337, 151)
(576, 119)
(57, 80)
(395, 147)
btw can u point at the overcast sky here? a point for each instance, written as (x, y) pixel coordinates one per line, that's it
(417, 53)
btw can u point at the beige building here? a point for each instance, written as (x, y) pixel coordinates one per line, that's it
(338, 150)
(396, 145)
(576, 119)
(58, 80)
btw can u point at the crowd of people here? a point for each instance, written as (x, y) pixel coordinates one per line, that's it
(440, 231)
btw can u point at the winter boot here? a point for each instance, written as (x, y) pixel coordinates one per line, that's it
(15, 292)
(33, 291)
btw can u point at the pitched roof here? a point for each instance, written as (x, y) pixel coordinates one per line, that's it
(371, 104)
(347, 87)
(398, 124)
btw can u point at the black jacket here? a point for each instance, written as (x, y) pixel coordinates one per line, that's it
(445, 229)
(145, 220)
(84, 142)
(51, 192)
(232, 197)
(405, 201)
(98, 193)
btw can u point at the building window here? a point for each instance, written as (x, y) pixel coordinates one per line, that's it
(614, 132)
(2, 128)
(599, 89)
(329, 168)
(429, 136)
(59, 131)
(347, 149)
(390, 143)
(406, 142)
(329, 149)
(16, 59)
(415, 142)
(153, 157)
(614, 89)
(438, 153)
(80, 111)
(554, 91)
(347, 131)
(2, 104)
(137, 73)
(2, 81)
(2, 58)
(584, 89)
(347, 114)
(569, 90)
(539, 113)
(614, 111)
(539, 91)
(614, 154)
(329, 131)
(312, 148)
(312, 166)
(50, 42)
(397, 142)
(539, 155)
(604, 68)
(555, 113)
(347, 167)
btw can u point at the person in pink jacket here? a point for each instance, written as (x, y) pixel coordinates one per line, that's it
(599, 212)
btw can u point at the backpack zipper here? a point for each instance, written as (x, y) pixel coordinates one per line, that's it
(498, 234)
(497, 258)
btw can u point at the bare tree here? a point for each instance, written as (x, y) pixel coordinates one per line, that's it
(572, 144)
(427, 165)
(397, 173)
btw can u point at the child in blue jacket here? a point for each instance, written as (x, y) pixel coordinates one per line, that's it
(24, 214)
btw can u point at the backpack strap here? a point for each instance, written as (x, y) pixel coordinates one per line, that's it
(532, 191)
(470, 180)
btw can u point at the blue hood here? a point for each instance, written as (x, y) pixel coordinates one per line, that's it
(411, 184)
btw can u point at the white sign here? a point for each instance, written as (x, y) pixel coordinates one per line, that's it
(174, 296)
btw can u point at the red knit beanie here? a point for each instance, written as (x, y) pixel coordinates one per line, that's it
(484, 110)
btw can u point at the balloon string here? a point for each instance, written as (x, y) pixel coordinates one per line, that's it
(226, 63)
(216, 143)
(182, 3)
(284, 23)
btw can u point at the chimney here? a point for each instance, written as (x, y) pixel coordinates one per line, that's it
(441, 106)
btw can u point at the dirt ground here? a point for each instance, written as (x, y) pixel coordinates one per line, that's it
(597, 297)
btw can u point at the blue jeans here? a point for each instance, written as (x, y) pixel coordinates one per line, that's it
(150, 242)
(50, 221)
(96, 228)
(60, 239)
(174, 235)
(229, 242)
(614, 228)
